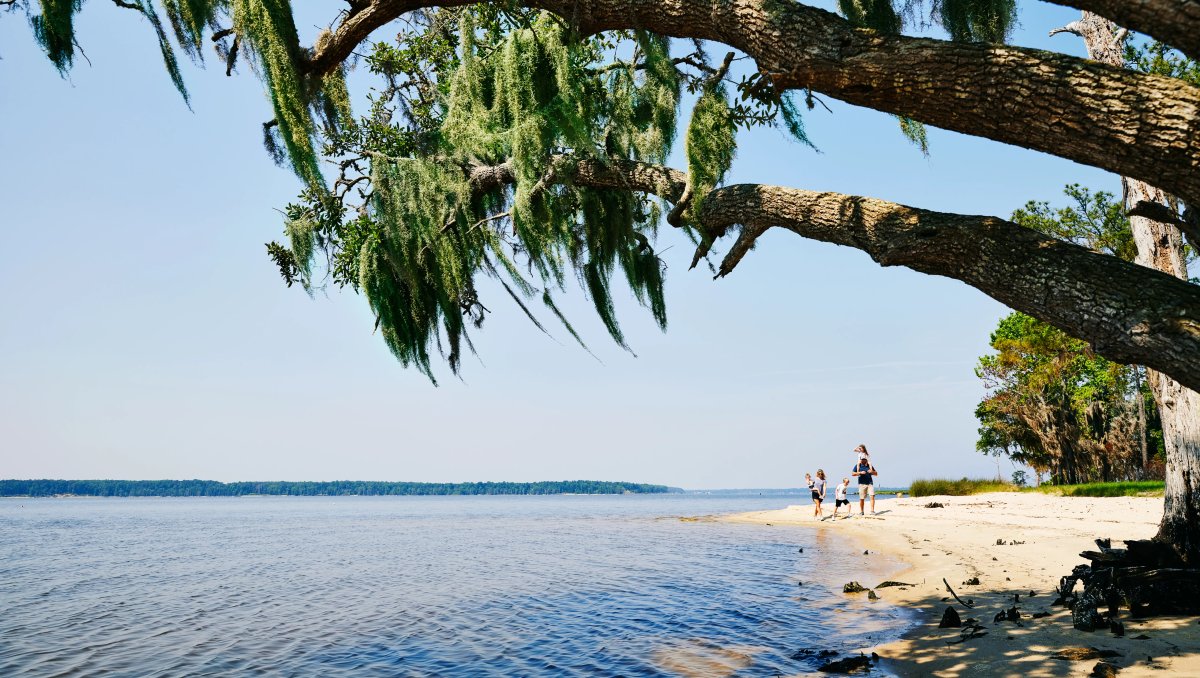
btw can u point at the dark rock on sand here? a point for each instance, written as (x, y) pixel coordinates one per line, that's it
(973, 581)
(890, 583)
(853, 587)
(950, 619)
(1104, 670)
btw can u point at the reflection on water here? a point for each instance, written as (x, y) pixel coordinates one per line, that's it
(422, 586)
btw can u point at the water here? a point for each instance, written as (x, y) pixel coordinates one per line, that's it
(397, 586)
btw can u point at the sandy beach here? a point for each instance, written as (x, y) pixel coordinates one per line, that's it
(1042, 537)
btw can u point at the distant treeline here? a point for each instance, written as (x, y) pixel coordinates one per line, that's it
(212, 488)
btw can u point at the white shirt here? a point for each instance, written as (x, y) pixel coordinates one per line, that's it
(840, 491)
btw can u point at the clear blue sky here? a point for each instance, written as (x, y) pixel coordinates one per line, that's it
(145, 334)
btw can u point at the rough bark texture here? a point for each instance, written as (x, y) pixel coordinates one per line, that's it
(1160, 247)
(1180, 526)
(1134, 124)
(1088, 295)
(1171, 21)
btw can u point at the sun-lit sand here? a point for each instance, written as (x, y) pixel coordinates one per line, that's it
(961, 541)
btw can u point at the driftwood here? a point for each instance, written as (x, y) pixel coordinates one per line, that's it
(967, 604)
(850, 664)
(1076, 654)
(1146, 577)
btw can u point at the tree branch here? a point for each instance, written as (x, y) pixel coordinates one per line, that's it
(1171, 21)
(1129, 313)
(1138, 125)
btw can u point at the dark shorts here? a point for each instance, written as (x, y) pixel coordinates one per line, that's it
(841, 502)
(816, 496)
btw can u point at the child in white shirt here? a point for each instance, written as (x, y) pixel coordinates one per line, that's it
(839, 498)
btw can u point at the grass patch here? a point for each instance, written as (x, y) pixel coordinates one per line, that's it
(957, 488)
(1130, 488)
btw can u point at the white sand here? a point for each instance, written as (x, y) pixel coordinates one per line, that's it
(959, 542)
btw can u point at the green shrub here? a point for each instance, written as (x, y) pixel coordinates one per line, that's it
(958, 488)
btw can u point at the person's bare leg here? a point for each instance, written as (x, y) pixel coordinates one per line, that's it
(872, 503)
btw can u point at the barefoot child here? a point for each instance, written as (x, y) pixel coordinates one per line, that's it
(839, 498)
(818, 493)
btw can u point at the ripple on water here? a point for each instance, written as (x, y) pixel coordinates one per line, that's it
(420, 586)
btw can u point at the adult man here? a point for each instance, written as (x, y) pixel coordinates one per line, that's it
(865, 472)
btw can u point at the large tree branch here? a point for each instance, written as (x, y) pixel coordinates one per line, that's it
(1138, 125)
(1173, 22)
(1128, 313)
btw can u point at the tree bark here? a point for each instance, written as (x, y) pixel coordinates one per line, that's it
(1160, 247)
(1139, 125)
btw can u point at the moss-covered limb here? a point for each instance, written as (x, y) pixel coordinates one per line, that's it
(1158, 326)
(1154, 134)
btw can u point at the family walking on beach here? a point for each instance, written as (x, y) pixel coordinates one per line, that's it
(864, 471)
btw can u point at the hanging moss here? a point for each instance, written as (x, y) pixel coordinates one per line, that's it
(267, 28)
(879, 15)
(710, 144)
(188, 20)
(915, 132)
(531, 97)
(977, 20)
(792, 120)
(164, 47)
(54, 30)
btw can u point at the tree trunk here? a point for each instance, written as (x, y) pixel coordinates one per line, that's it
(1160, 246)
(1142, 441)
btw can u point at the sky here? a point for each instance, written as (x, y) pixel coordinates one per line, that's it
(145, 334)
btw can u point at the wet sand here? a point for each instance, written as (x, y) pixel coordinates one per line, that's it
(960, 542)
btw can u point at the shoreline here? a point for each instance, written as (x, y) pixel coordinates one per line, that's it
(1042, 535)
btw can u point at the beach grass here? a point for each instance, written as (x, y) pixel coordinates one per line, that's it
(966, 486)
(1130, 488)
(928, 487)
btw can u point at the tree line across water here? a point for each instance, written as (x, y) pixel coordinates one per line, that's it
(213, 488)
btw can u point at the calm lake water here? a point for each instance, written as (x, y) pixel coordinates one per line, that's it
(398, 586)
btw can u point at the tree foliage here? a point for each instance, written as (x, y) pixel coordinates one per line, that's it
(1054, 405)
